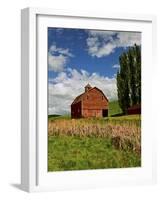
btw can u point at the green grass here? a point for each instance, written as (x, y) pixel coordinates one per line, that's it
(126, 119)
(53, 117)
(80, 153)
(114, 108)
(75, 153)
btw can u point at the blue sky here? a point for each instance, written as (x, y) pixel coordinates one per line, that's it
(77, 57)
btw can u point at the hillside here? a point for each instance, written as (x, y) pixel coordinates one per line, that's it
(114, 108)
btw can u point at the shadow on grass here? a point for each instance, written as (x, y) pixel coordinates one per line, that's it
(118, 115)
(51, 116)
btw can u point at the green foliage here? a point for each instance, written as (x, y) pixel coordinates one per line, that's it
(138, 70)
(129, 78)
(122, 83)
(132, 75)
(75, 153)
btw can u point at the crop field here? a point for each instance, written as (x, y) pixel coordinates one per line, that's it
(95, 143)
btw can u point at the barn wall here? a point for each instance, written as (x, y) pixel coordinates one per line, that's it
(92, 104)
(134, 110)
(76, 111)
(92, 113)
(94, 100)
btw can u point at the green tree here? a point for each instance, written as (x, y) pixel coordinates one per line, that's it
(129, 78)
(137, 51)
(132, 75)
(122, 83)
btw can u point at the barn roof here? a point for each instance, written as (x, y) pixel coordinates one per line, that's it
(80, 97)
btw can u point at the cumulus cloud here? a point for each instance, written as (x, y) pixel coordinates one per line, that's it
(103, 43)
(117, 66)
(57, 58)
(67, 85)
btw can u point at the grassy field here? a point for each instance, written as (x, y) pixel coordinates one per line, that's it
(77, 144)
(114, 108)
(75, 153)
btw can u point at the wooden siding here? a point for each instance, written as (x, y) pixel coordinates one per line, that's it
(92, 113)
(76, 110)
(89, 104)
(94, 99)
(136, 109)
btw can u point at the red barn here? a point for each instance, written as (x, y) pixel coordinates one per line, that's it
(133, 110)
(91, 103)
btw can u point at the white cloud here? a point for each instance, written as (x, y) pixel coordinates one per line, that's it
(57, 58)
(67, 85)
(53, 49)
(103, 43)
(117, 66)
(101, 33)
(56, 63)
(126, 39)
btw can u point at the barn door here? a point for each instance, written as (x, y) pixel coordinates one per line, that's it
(105, 112)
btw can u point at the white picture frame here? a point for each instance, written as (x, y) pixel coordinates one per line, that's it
(34, 176)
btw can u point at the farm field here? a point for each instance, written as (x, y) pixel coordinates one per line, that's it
(94, 143)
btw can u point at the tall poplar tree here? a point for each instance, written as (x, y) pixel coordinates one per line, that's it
(122, 83)
(129, 78)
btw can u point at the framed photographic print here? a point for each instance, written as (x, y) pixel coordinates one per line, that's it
(86, 108)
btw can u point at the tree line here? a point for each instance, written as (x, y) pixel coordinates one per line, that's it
(129, 78)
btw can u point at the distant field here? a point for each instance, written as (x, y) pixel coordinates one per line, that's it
(96, 143)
